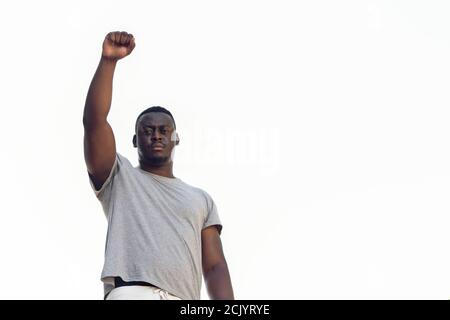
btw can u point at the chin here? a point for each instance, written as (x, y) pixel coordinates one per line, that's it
(156, 160)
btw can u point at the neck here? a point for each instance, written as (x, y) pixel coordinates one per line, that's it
(165, 170)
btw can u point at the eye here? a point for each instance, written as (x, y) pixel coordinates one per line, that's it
(163, 131)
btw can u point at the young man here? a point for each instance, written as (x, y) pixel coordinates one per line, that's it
(163, 234)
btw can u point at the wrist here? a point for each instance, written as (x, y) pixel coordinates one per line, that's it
(108, 60)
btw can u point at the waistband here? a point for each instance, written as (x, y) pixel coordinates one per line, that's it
(118, 282)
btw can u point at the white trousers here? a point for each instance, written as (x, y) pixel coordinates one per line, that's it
(140, 293)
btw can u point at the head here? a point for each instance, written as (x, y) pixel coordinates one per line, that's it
(155, 136)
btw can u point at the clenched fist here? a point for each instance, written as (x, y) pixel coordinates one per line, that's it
(118, 45)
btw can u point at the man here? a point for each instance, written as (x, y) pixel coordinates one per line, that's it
(163, 234)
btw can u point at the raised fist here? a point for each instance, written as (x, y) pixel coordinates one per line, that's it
(118, 45)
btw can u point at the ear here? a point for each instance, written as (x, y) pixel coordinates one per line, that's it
(177, 142)
(134, 141)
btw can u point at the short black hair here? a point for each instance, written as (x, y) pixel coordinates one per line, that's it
(154, 109)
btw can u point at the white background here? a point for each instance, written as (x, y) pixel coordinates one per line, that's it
(320, 128)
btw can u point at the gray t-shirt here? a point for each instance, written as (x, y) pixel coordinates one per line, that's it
(154, 229)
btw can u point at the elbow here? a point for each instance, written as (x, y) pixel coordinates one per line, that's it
(90, 122)
(216, 267)
(86, 121)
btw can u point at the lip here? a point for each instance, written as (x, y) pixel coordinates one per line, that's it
(157, 147)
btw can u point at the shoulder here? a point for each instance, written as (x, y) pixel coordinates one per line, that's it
(123, 161)
(122, 158)
(210, 205)
(201, 193)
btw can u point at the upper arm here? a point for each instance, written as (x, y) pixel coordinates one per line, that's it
(99, 152)
(212, 251)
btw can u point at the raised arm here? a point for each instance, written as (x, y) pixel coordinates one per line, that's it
(99, 142)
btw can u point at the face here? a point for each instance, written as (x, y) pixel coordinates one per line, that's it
(155, 138)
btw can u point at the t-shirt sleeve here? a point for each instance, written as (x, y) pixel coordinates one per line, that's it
(107, 184)
(213, 215)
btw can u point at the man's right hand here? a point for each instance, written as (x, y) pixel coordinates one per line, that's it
(117, 45)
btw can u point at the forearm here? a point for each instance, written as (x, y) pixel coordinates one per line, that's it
(218, 283)
(98, 100)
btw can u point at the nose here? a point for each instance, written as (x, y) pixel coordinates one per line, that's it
(156, 135)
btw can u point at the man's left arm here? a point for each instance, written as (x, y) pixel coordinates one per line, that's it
(215, 268)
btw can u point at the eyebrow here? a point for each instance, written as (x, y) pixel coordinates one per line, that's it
(161, 126)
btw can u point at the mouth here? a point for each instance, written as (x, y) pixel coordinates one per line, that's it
(157, 147)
